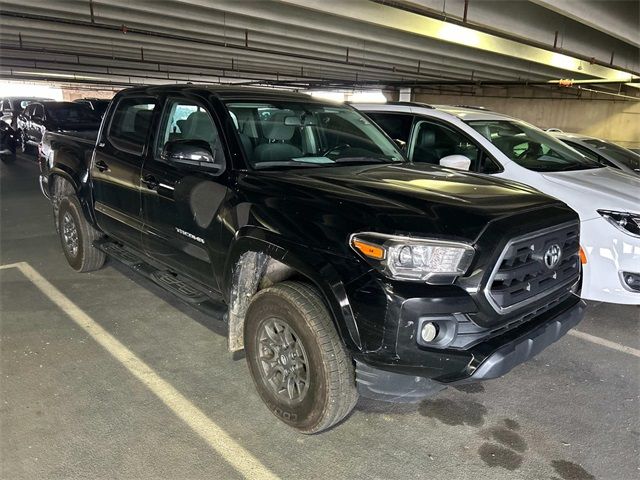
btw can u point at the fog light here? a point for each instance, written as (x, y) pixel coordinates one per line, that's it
(631, 281)
(429, 332)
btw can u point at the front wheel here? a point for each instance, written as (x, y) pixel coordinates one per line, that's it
(300, 367)
(77, 237)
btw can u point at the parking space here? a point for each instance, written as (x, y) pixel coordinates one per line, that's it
(75, 405)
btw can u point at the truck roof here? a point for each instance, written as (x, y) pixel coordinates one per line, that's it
(227, 92)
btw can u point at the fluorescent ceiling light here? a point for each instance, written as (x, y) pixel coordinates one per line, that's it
(389, 17)
(328, 95)
(58, 75)
(367, 96)
(23, 89)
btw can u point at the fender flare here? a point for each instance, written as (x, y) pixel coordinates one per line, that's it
(71, 176)
(248, 257)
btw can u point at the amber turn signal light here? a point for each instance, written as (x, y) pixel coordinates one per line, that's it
(369, 250)
(583, 256)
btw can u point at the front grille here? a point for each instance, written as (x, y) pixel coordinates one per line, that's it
(521, 275)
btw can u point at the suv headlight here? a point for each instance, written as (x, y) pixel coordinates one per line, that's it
(414, 259)
(625, 221)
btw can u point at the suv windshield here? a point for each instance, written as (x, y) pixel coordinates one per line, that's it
(531, 147)
(627, 157)
(306, 134)
(20, 104)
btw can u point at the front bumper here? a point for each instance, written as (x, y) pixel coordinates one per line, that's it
(609, 252)
(487, 360)
(526, 346)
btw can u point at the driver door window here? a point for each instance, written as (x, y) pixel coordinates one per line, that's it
(38, 112)
(431, 142)
(185, 121)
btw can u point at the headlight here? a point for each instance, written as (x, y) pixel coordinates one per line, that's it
(625, 221)
(414, 259)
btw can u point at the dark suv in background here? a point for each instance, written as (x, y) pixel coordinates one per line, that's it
(98, 105)
(9, 135)
(12, 106)
(40, 117)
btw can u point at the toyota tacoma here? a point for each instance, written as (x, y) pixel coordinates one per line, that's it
(339, 267)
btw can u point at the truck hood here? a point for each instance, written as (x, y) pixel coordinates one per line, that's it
(410, 199)
(600, 188)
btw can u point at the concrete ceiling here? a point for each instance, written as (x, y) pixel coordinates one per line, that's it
(318, 43)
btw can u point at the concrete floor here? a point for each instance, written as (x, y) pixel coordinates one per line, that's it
(69, 409)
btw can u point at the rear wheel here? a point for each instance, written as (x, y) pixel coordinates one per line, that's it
(77, 237)
(300, 367)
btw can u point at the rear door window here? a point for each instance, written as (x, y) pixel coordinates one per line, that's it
(131, 122)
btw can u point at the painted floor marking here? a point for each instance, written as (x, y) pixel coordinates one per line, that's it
(232, 452)
(605, 343)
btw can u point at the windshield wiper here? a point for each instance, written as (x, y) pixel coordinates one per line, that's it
(285, 164)
(365, 160)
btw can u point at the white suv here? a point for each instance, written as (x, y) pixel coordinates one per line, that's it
(607, 200)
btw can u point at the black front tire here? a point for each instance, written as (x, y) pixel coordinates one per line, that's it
(77, 237)
(330, 391)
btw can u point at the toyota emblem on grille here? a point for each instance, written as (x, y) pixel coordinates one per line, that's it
(552, 256)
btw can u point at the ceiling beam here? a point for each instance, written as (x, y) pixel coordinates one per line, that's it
(408, 22)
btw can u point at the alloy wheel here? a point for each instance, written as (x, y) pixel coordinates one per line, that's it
(283, 361)
(70, 234)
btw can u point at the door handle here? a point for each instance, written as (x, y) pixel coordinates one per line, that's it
(150, 182)
(102, 166)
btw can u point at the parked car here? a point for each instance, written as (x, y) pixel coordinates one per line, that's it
(12, 106)
(339, 266)
(490, 143)
(606, 153)
(7, 143)
(98, 105)
(40, 117)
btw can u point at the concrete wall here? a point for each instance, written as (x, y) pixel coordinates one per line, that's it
(70, 94)
(614, 120)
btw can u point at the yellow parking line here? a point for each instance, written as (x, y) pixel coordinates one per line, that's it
(232, 452)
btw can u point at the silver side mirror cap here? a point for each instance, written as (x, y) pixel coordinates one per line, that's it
(459, 162)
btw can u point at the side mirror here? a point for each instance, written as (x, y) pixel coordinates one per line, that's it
(400, 143)
(195, 153)
(459, 162)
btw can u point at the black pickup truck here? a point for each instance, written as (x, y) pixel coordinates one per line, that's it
(339, 267)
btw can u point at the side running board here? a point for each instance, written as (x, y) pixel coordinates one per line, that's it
(185, 289)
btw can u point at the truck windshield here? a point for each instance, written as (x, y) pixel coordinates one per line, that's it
(616, 152)
(300, 134)
(531, 147)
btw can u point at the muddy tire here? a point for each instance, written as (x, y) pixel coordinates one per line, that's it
(77, 237)
(299, 365)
